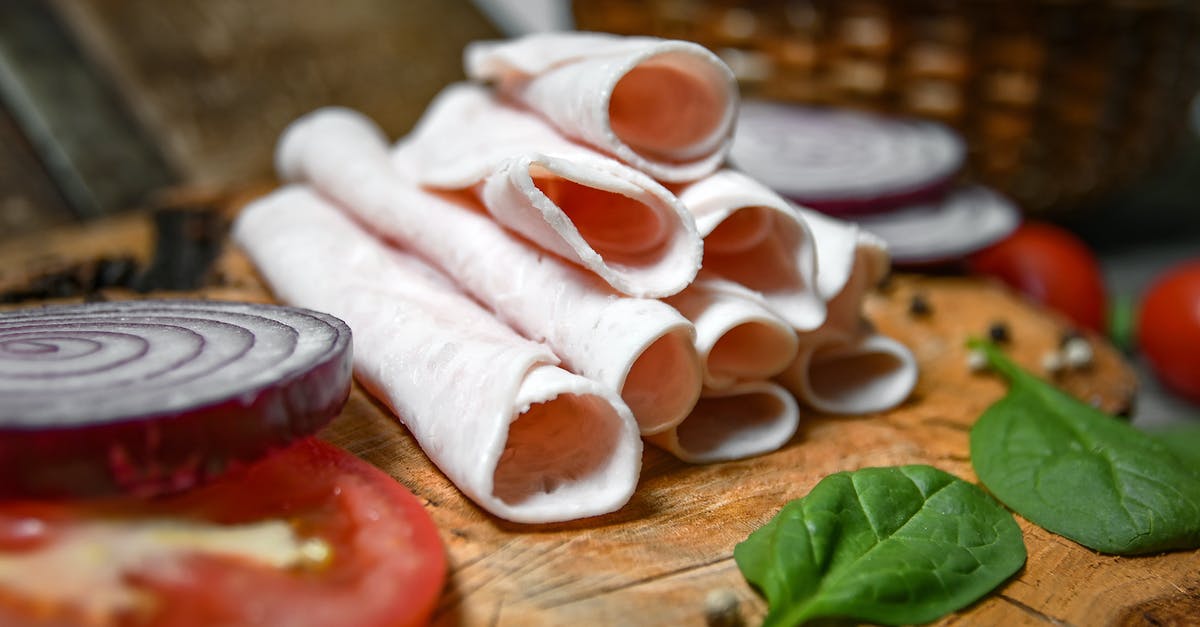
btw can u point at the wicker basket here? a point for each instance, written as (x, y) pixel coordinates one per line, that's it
(1060, 100)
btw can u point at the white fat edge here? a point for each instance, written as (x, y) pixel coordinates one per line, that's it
(466, 134)
(724, 192)
(86, 567)
(539, 52)
(837, 245)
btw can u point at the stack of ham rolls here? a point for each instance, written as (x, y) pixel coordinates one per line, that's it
(553, 266)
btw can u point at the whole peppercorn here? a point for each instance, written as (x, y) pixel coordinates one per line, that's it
(919, 306)
(999, 333)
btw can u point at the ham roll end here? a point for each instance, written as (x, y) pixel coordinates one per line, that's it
(741, 421)
(664, 380)
(754, 237)
(738, 338)
(641, 347)
(573, 201)
(870, 374)
(614, 221)
(523, 438)
(666, 107)
(569, 451)
(356, 131)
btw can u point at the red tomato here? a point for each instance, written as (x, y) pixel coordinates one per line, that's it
(1051, 266)
(1168, 328)
(385, 564)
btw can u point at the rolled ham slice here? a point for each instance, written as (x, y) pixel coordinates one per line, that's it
(665, 107)
(755, 237)
(845, 251)
(568, 199)
(738, 338)
(741, 345)
(864, 373)
(641, 347)
(844, 366)
(746, 419)
(526, 440)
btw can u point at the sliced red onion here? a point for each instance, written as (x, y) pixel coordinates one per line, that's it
(845, 162)
(969, 218)
(154, 396)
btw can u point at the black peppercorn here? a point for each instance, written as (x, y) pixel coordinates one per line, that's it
(919, 306)
(998, 332)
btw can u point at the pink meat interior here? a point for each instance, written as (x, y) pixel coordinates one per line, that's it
(842, 377)
(751, 351)
(742, 230)
(664, 383)
(722, 421)
(556, 445)
(617, 227)
(671, 107)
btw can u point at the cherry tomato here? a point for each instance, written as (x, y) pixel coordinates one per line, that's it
(372, 554)
(1168, 328)
(1052, 266)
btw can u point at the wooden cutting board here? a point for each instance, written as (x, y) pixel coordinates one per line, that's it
(660, 559)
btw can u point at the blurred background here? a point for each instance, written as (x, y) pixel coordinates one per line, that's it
(1067, 105)
(103, 103)
(1084, 112)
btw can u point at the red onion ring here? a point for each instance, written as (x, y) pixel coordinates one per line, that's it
(967, 219)
(845, 162)
(148, 397)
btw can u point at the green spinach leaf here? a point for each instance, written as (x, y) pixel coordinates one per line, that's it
(1183, 441)
(1080, 473)
(887, 545)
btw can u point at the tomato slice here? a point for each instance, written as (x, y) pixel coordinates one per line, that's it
(310, 535)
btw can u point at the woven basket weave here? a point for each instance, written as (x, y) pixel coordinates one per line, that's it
(1060, 100)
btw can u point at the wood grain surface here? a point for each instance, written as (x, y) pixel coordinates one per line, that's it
(662, 559)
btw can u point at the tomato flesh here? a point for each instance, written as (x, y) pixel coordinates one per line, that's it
(1051, 266)
(1168, 329)
(385, 564)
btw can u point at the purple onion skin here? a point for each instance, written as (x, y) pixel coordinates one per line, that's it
(164, 453)
(869, 205)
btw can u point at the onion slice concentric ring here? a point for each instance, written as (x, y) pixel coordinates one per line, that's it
(845, 162)
(155, 396)
(967, 219)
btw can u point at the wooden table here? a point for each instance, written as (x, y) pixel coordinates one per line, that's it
(656, 561)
